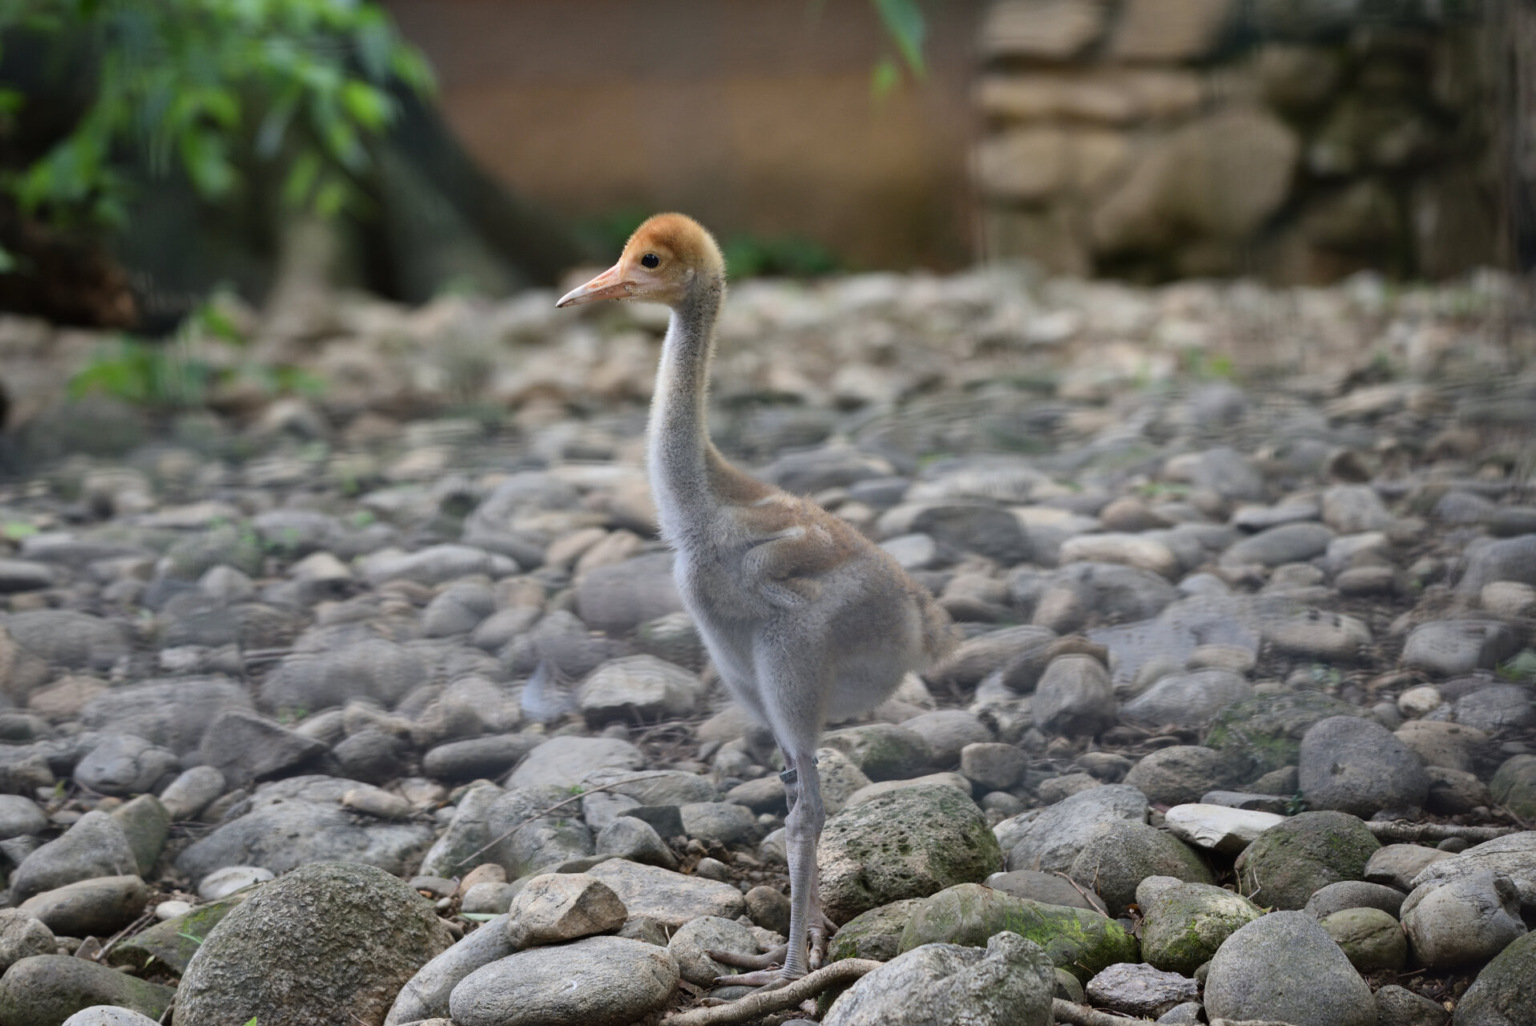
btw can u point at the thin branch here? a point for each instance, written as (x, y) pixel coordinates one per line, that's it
(1404, 832)
(1082, 1015)
(117, 937)
(493, 842)
(763, 1002)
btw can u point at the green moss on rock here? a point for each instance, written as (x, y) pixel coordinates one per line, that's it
(1183, 924)
(175, 941)
(1514, 785)
(906, 844)
(1078, 940)
(874, 934)
(1268, 728)
(1289, 861)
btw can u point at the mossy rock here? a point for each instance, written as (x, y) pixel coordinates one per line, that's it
(874, 934)
(1122, 853)
(44, 990)
(225, 544)
(330, 942)
(1505, 989)
(906, 844)
(1183, 924)
(1268, 728)
(1288, 862)
(1514, 785)
(1078, 940)
(175, 941)
(146, 823)
(884, 751)
(1370, 938)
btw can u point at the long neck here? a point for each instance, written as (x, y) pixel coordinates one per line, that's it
(679, 432)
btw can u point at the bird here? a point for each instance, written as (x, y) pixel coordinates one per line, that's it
(805, 619)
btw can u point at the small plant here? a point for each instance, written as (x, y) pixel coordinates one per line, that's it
(751, 256)
(183, 371)
(1521, 669)
(213, 87)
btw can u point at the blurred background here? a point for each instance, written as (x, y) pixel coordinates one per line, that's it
(153, 153)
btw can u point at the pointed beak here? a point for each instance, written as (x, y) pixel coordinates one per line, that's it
(611, 284)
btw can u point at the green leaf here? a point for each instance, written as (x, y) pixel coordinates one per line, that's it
(205, 156)
(904, 23)
(1521, 668)
(331, 197)
(884, 77)
(7, 261)
(368, 106)
(301, 179)
(478, 917)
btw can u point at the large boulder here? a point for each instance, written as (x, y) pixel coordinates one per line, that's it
(1286, 863)
(599, 981)
(1049, 839)
(1285, 967)
(1010, 983)
(300, 820)
(1079, 940)
(330, 942)
(1122, 853)
(1183, 924)
(1358, 766)
(44, 990)
(904, 844)
(1505, 991)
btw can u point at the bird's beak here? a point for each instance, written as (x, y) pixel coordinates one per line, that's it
(611, 284)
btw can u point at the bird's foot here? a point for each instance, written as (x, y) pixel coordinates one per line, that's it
(771, 978)
(770, 959)
(819, 932)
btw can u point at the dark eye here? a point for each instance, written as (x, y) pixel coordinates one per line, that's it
(650, 260)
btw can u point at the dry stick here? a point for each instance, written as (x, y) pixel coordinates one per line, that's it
(1082, 1015)
(1405, 832)
(113, 941)
(540, 815)
(763, 1002)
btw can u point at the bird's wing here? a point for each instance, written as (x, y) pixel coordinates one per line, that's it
(792, 544)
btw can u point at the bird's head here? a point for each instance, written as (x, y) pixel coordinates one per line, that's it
(667, 258)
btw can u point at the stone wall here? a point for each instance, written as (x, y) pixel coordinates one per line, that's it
(1297, 140)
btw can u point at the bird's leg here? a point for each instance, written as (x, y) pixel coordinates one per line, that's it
(773, 957)
(802, 830)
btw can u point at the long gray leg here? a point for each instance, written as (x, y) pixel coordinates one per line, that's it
(802, 831)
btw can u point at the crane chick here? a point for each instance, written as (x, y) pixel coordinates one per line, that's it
(805, 619)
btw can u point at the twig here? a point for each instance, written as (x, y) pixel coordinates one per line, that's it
(762, 1002)
(1082, 1015)
(1402, 831)
(112, 941)
(493, 842)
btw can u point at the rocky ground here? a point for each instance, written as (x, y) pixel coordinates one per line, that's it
(1245, 576)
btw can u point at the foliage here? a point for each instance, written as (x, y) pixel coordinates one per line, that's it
(209, 86)
(749, 256)
(904, 23)
(1521, 668)
(746, 255)
(183, 371)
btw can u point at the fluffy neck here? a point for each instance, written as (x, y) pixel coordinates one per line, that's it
(680, 449)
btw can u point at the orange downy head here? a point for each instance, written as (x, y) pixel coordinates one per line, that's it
(666, 257)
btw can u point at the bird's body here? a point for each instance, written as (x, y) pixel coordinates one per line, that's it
(805, 619)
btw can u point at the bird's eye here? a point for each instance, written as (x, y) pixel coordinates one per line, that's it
(650, 260)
